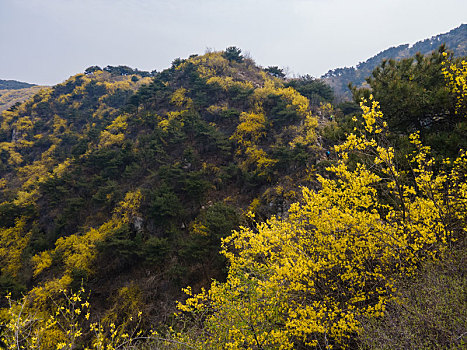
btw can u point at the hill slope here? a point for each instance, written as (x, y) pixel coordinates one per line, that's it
(123, 182)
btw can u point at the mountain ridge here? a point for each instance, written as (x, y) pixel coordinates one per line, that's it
(14, 84)
(339, 78)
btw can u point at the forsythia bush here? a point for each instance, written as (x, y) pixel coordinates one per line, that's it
(68, 323)
(456, 77)
(65, 326)
(308, 279)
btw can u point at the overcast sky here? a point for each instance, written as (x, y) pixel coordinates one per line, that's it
(46, 41)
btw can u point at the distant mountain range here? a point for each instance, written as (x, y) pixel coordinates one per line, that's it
(339, 78)
(14, 85)
(13, 91)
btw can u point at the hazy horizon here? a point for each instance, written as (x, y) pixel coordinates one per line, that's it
(44, 42)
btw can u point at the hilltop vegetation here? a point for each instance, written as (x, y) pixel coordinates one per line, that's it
(127, 184)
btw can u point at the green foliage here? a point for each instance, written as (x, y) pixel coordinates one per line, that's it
(165, 205)
(216, 221)
(122, 249)
(120, 70)
(9, 284)
(92, 69)
(155, 250)
(316, 90)
(349, 108)
(275, 71)
(9, 213)
(412, 92)
(195, 186)
(276, 107)
(233, 53)
(339, 78)
(414, 97)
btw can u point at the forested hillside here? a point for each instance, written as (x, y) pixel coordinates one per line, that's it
(119, 188)
(14, 92)
(126, 184)
(339, 78)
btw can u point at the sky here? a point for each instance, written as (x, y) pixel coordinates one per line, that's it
(46, 41)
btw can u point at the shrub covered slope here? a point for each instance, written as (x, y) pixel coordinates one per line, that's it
(127, 184)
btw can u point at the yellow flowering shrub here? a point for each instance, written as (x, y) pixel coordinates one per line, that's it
(310, 277)
(251, 128)
(456, 78)
(66, 324)
(13, 240)
(256, 126)
(180, 99)
(68, 321)
(79, 251)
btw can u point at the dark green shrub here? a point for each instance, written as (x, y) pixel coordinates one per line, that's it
(233, 53)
